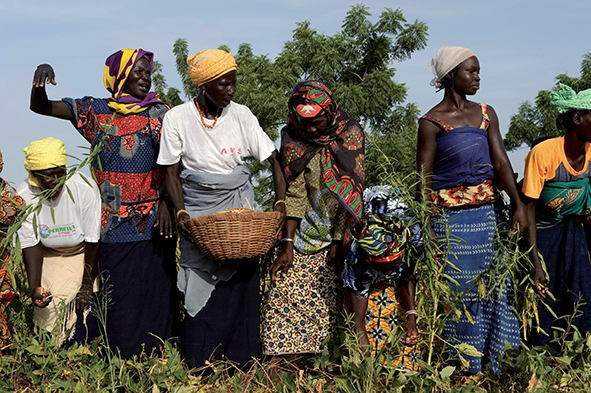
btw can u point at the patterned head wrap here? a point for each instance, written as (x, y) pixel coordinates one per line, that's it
(566, 99)
(446, 59)
(44, 154)
(1, 163)
(210, 64)
(118, 66)
(341, 146)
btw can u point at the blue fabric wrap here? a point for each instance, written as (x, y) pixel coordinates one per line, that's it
(207, 193)
(471, 249)
(462, 158)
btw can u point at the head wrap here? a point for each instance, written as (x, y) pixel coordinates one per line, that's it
(566, 99)
(341, 146)
(44, 154)
(210, 64)
(118, 66)
(1, 163)
(446, 59)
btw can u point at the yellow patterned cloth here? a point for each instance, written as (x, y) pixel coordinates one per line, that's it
(210, 64)
(384, 314)
(302, 310)
(44, 154)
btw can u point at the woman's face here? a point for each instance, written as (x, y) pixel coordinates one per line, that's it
(50, 178)
(221, 91)
(313, 126)
(139, 81)
(582, 120)
(467, 79)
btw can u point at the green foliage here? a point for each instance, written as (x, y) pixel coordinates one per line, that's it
(355, 62)
(533, 121)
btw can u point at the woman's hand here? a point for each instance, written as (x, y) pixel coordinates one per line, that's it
(43, 74)
(163, 220)
(335, 256)
(519, 223)
(283, 261)
(183, 217)
(40, 297)
(540, 284)
(84, 297)
(412, 334)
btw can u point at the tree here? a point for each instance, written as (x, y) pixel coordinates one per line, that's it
(537, 120)
(355, 62)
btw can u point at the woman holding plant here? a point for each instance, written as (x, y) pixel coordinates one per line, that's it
(558, 197)
(461, 159)
(322, 150)
(137, 249)
(59, 238)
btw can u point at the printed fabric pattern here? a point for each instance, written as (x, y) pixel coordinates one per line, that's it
(126, 171)
(463, 171)
(11, 205)
(341, 146)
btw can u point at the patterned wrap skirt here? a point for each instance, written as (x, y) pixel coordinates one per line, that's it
(302, 309)
(383, 316)
(471, 248)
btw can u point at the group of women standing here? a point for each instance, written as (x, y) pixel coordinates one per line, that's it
(157, 166)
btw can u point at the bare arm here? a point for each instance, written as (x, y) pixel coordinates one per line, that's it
(504, 172)
(279, 184)
(175, 193)
(39, 102)
(407, 298)
(285, 258)
(33, 258)
(426, 149)
(538, 276)
(84, 296)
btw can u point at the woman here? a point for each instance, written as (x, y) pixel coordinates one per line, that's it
(322, 150)
(378, 273)
(137, 250)
(204, 144)
(558, 196)
(11, 206)
(460, 156)
(60, 240)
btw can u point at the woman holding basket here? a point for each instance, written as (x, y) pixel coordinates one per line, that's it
(210, 137)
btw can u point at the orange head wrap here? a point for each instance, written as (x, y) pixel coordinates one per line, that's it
(210, 64)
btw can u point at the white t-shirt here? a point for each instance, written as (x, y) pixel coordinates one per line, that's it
(76, 221)
(236, 135)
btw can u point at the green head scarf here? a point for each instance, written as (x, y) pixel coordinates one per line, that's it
(566, 99)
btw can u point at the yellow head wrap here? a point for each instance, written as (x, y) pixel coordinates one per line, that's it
(210, 64)
(44, 154)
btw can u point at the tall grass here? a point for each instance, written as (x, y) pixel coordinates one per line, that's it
(35, 364)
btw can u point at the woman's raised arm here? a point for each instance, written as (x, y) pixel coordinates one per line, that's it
(39, 102)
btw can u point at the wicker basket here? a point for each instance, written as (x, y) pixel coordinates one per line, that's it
(240, 233)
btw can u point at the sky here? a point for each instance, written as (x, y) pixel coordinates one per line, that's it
(521, 45)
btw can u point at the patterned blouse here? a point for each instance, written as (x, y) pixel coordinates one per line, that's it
(126, 171)
(323, 218)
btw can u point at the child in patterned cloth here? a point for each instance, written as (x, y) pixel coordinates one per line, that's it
(376, 271)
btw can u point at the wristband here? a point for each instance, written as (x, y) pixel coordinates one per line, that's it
(279, 201)
(287, 239)
(178, 213)
(411, 312)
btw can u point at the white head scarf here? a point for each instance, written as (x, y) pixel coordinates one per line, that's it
(446, 59)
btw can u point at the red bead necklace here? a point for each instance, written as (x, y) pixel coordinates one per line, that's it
(215, 120)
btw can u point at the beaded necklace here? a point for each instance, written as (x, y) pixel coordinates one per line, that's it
(215, 120)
